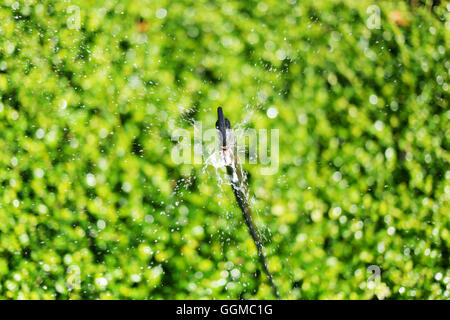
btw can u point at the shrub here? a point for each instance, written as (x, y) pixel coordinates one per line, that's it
(92, 205)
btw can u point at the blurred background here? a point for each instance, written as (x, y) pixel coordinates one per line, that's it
(92, 206)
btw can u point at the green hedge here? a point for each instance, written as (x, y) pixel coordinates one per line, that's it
(92, 205)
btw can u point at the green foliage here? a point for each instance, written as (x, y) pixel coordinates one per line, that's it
(92, 205)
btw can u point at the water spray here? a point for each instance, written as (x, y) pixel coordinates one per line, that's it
(237, 178)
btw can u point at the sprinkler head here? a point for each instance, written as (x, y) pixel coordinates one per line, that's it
(222, 124)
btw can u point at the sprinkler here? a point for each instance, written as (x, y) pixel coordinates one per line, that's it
(239, 187)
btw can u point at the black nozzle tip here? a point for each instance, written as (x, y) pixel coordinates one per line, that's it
(222, 125)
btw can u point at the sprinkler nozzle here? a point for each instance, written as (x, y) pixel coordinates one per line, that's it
(222, 124)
